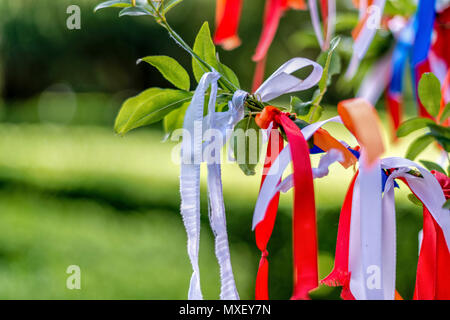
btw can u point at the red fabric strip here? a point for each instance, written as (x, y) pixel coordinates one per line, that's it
(426, 269)
(394, 105)
(433, 277)
(304, 216)
(324, 12)
(227, 20)
(272, 15)
(340, 275)
(264, 229)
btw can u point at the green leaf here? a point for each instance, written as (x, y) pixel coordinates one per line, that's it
(171, 70)
(205, 49)
(412, 125)
(441, 134)
(313, 115)
(113, 3)
(446, 113)
(446, 204)
(302, 124)
(229, 74)
(134, 11)
(174, 120)
(430, 93)
(432, 166)
(299, 107)
(170, 4)
(246, 142)
(418, 145)
(148, 107)
(330, 62)
(413, 199)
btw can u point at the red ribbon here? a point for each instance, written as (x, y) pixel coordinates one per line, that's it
(228, 13)
(433, 276)
(340, 275)
(264, 229)
(303, 220)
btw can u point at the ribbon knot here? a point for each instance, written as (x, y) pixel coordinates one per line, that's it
(264, 254)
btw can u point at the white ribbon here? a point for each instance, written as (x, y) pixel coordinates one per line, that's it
(193, 149)
(365, 37)
(376, 80)
(363, 281)
(317, 26)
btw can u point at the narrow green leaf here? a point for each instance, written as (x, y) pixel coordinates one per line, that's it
(446, 113)
(418, 145)
(432, 166)
(330, 62)
(174, 120)
(134, 11)
(430, 93)
(246, 145)
(205, 49)
(171, 70)
(229, 74)
(313, 115)
(446, 204)
(299, 107)
(112, 4)
(170, 4)
(412, 125)
(441, 134)
(414, 200)
(148, 107)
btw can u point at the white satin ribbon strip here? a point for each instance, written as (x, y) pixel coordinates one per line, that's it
(321, 171)
(428, 191)
(371, 227)
(365, 37)
(270, 185)
(191, 155)
(217, 216)
(376, 81)
(317, 26)
(331, 23)
(193, 149)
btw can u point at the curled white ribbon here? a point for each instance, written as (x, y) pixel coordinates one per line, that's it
(193, 148)
(427, 189)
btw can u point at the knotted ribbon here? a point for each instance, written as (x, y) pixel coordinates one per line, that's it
(305, 239)
(432, 279)
(279, 83)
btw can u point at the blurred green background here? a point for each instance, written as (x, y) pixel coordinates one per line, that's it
(74, 193)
